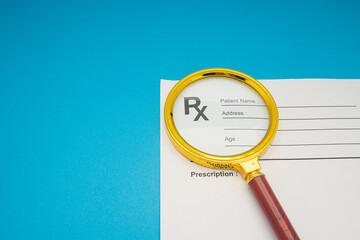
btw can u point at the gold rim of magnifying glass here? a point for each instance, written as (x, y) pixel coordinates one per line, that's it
(214, 161)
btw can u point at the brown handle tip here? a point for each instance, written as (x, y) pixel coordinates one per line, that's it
(272, 208)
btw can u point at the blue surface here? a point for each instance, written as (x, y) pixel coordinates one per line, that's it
(79, 95)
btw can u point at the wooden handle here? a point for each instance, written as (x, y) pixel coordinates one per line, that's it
(272, 209)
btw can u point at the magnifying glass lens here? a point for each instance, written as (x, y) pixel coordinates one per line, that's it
(221, 116)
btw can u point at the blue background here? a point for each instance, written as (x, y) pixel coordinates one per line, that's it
(79, 95)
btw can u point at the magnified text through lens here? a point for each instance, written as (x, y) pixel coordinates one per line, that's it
(229, 114)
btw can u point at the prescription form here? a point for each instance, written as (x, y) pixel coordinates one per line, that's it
(312, 165)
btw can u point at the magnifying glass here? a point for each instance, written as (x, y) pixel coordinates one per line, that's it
(225, 119)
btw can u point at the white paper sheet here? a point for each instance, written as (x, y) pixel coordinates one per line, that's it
(312, 166)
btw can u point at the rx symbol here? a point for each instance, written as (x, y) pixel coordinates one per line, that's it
(195, 105)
